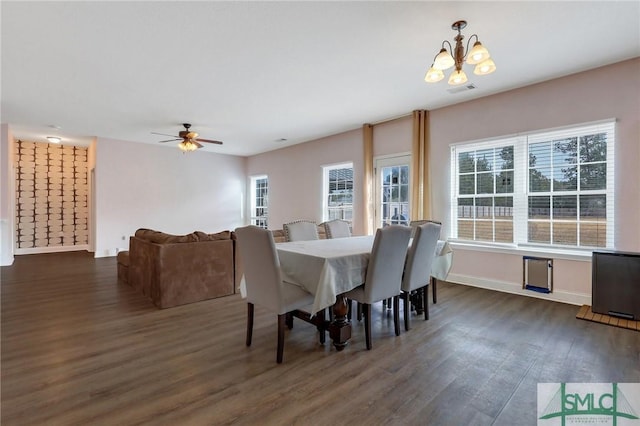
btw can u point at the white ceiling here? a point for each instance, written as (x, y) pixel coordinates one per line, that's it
(250, 73)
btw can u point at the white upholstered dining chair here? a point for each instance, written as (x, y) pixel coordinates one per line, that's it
(337, 228)
(301, 230)
(384, 274)
(417, 270)
(264, 283)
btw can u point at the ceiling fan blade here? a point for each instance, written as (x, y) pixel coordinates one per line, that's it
(199, 145)
(208, 141)
(170, 140)
(164, 134)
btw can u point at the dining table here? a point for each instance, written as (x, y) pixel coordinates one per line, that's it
(328, 268)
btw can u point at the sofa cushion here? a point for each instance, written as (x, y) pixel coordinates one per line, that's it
(224, 235)
(164, 238)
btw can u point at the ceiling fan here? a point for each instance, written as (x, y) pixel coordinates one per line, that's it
(190, 140)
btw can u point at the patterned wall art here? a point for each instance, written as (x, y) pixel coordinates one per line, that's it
(51, 195)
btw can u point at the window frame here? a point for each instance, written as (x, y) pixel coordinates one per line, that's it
(326, 170)
(254, 218)
(521, 175)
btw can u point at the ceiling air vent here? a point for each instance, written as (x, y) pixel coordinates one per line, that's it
(462, 88)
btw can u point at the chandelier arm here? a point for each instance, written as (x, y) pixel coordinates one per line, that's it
(466, 51)
(450, 47)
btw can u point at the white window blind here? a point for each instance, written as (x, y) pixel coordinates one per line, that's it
(338, 192)
(549, 188)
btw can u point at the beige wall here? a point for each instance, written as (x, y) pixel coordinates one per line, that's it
(608, 92)
(151, 186)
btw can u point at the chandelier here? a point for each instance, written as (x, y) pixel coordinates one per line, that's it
(445, 59)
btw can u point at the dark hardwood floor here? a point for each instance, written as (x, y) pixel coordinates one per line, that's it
(80, 348)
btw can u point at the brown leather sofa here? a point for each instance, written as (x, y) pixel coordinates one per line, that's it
(174, 270)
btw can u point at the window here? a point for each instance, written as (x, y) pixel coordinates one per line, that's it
(338, 192)
(551, 188)
(392, 190)
(259, 200)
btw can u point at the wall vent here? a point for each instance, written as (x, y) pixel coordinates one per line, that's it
(537, 274)
(463, 88)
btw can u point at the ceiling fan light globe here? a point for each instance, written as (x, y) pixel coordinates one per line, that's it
(187, 146)
(443, 60)
(478, 54)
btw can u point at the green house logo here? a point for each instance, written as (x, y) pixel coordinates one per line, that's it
(588, 403)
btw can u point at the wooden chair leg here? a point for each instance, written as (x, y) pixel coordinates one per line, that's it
(434, 283)
(396, 314)
(282, 319)
(407, 310)
(249, 322)
(367, 324)
(289, 320)
(426, 303)
(321, 328)
(359, 311)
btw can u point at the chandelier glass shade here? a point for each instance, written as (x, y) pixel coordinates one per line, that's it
(456, 56)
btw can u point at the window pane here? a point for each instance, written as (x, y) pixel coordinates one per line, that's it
(465, 229)
(484, 230)
(466, 163)
(503, 207)
(484, 160)
(593, 234)
(539, 232)
(593, 148)
(505, 158)
(467, 184)
(565, 179)
(465, 207)
(540, 154)
(485, 183)
(593, 176)
(504, 182)
(504, 232)
(565, 233)
(539, 180)
(593, 207)
(565, 152)
(539, 207)
(565, 206)
(484, 208)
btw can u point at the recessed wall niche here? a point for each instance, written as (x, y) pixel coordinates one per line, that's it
(51, 195)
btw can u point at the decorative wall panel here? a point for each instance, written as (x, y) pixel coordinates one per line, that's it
(51, 195)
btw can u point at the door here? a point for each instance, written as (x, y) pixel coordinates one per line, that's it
(392, 190)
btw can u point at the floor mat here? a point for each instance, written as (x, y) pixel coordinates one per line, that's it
(585, 313)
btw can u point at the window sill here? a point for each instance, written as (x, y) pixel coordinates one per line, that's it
(581, 255)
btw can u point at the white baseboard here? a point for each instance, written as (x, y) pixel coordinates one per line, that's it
(36, 250)
(516, 288)
(108, 252)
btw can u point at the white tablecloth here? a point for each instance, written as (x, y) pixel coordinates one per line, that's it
(327, 268)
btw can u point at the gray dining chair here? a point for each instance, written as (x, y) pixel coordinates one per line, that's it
(384, 274)
(414, 224)
(264, 283)
(301, 230)
(337, 228)
(417, 270)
